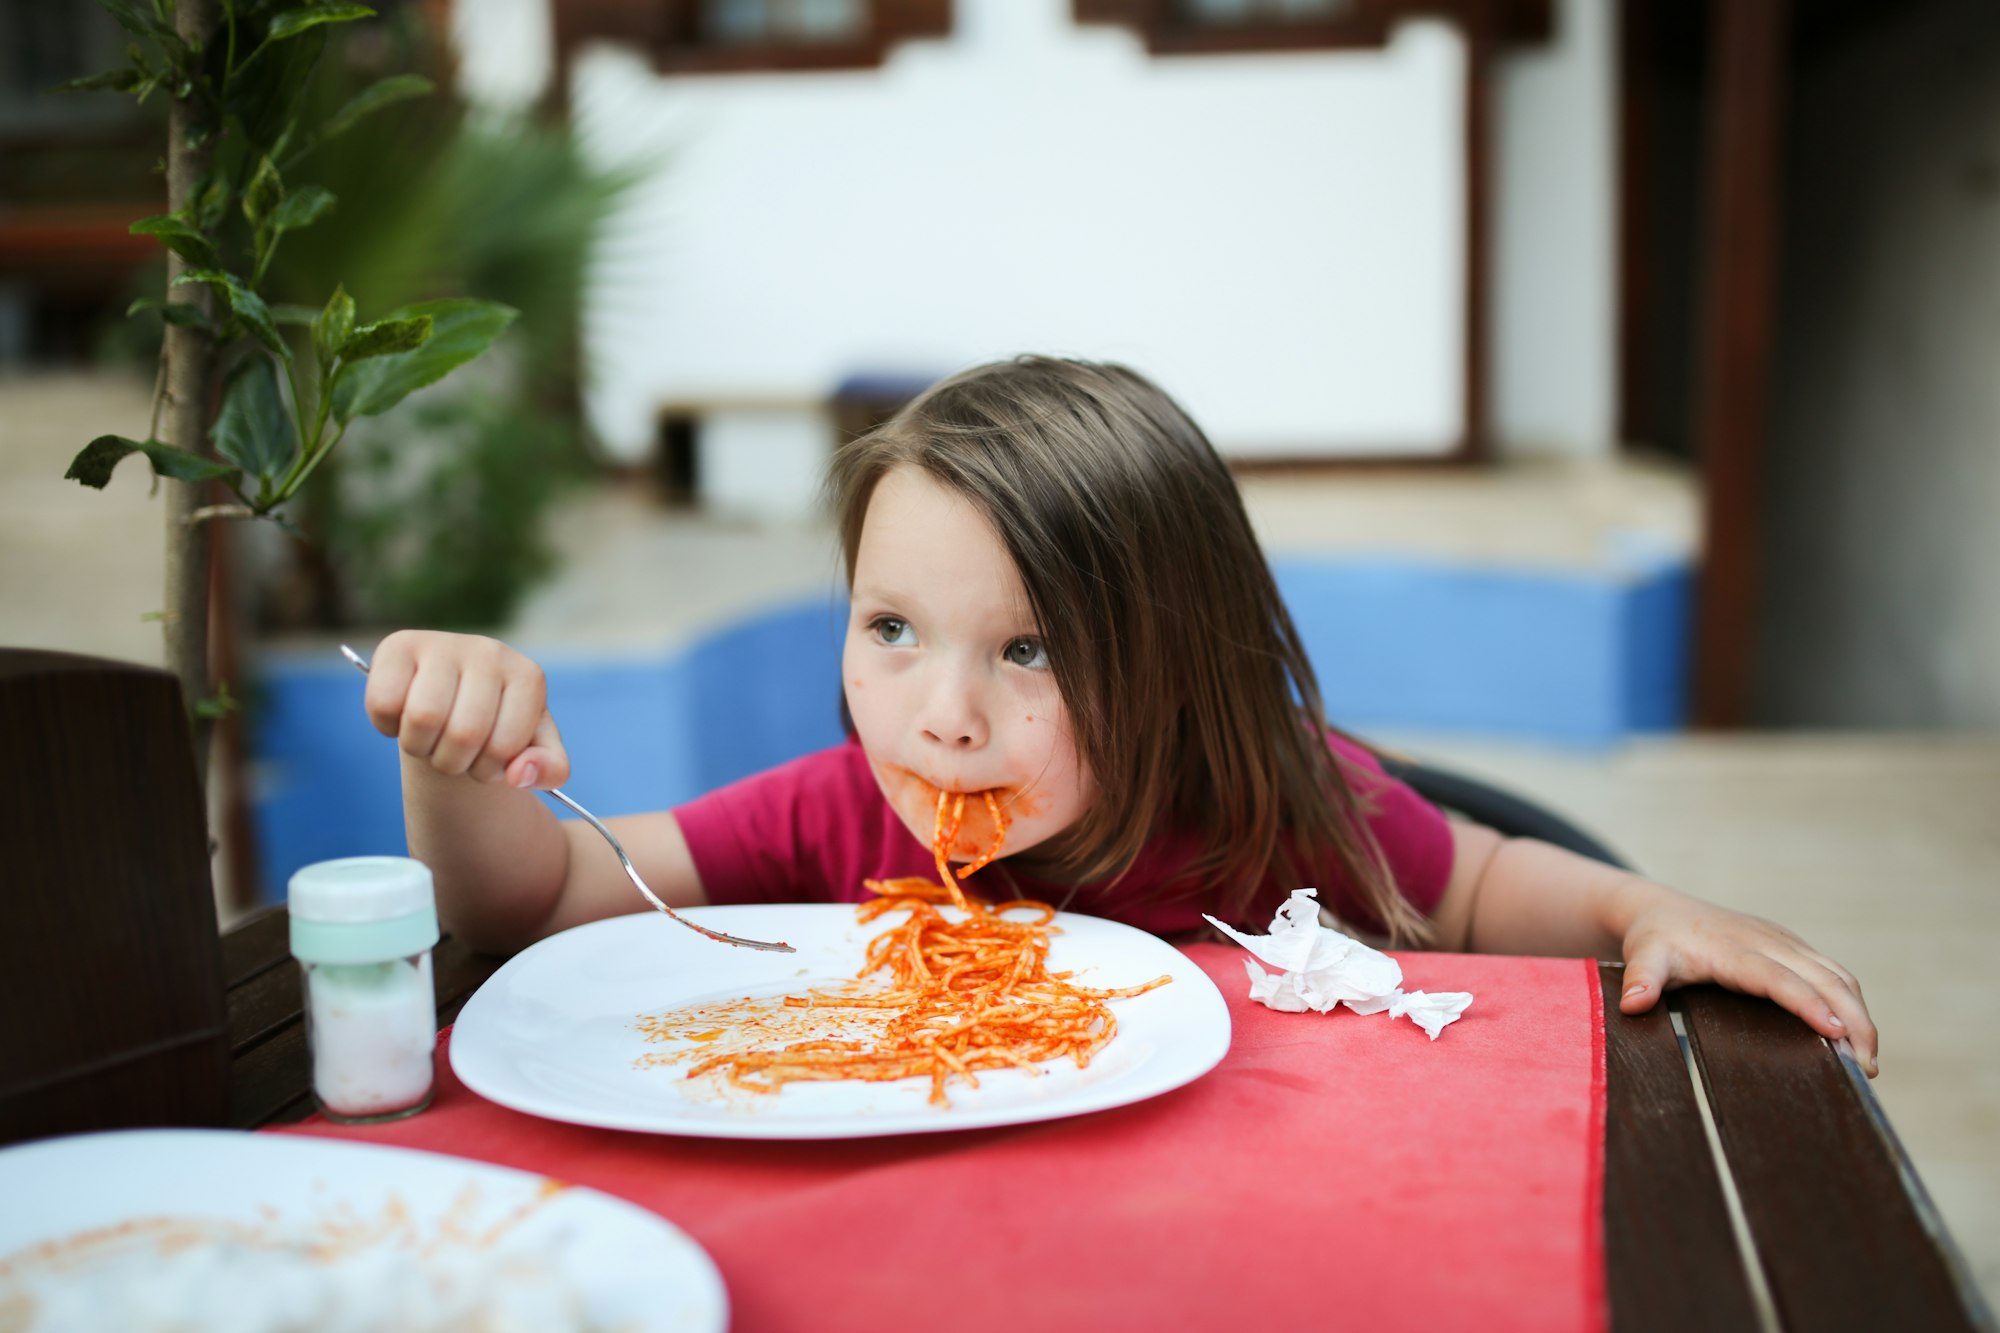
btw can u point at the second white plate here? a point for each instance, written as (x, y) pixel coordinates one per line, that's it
(217, 1229)
(555, 1032)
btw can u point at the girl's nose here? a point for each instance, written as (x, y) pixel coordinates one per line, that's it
(953, 718)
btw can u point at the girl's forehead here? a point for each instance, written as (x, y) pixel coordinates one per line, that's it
(921, 539)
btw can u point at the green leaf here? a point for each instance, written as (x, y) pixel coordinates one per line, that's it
(143, 21)
(254, 430)
(176, 312)
(460, 331)
(264, 193)
(245, 304)
(218, 705)
(335, 322)
(386, 338)
(386, 92)
(208, 277)
(211, 203)
(300, 316)
(173, 231)
(117, 80)
(265, 94)
(302, 208)
(93, 465)
(256, 316)
(137, 19)
(295, 21)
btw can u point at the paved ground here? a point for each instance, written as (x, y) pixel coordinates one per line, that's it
(1879, 848)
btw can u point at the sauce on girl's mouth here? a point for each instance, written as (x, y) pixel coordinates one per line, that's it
(981, 826)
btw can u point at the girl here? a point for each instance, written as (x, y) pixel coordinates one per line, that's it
(1065, 656)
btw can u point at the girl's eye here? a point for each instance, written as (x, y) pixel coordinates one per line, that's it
(1026, 653)
(896, 633)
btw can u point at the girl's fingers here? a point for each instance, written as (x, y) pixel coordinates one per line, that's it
(513, 729)
(427, 708)
(1847, 978)
(474, 710)
(385, 697)
(1842, 994)
(1648, 969)
(545, 763)
(1768, 977)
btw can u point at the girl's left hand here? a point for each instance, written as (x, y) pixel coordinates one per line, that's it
(1676, 940)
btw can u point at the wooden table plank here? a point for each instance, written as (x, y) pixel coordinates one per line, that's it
(1841, 1244)
(1670, 1255)
(259, 940)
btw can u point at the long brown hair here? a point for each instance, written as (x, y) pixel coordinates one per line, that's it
(1188, 690)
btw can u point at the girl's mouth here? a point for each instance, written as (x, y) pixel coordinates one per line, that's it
(968, 826)
(957, 832)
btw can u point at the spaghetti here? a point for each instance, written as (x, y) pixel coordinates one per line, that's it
(944, 836)
(964, 994)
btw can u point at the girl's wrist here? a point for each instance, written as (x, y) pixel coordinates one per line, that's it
(1629, 899)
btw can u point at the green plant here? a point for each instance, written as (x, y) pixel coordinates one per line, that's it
(239, 405)
(507, 210)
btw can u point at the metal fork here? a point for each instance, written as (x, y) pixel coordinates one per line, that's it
(623, 860)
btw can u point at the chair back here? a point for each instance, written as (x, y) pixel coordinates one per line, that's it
(1503, 811)
(111, 999)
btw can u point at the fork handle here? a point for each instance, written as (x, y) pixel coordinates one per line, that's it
(632, 874)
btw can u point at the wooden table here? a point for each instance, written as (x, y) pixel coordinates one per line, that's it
(1822, 1226)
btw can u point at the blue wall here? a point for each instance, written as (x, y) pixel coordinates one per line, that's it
(1570, 658)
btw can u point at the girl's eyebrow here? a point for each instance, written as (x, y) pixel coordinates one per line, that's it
(876, 592)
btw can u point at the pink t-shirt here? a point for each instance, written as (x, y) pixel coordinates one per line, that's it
(811, 830)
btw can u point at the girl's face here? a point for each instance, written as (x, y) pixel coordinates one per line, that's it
(947, 678)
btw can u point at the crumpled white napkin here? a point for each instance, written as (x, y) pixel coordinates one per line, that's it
(1321, 968)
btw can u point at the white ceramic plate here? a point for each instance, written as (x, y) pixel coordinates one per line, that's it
(554, 1032)
(626, 1267)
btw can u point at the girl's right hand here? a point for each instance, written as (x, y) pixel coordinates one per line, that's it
(466, 706)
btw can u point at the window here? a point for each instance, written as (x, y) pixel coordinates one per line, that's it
(738, 36)
(1263, 11)
(1197, 27)
(783, 22)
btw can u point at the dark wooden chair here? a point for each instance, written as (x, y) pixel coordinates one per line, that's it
(111, 999)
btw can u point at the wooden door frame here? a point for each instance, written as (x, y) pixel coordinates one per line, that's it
(1736, 292)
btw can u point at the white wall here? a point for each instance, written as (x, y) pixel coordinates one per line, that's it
(1277, 238)
(1554, 330)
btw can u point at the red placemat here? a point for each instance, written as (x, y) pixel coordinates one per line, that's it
(1334, 1171)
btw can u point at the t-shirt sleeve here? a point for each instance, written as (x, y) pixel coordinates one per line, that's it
(1414, 835)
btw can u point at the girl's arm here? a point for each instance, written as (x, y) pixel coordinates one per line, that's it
(470, 717)
(1523, 896)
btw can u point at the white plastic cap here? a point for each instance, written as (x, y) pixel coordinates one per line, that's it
(358, 889)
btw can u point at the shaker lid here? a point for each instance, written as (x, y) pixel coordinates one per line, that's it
(359, 889)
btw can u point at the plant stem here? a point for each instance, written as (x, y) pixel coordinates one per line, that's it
(189, 363)
(313, 462)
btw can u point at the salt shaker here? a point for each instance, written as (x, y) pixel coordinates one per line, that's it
(362, 930)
